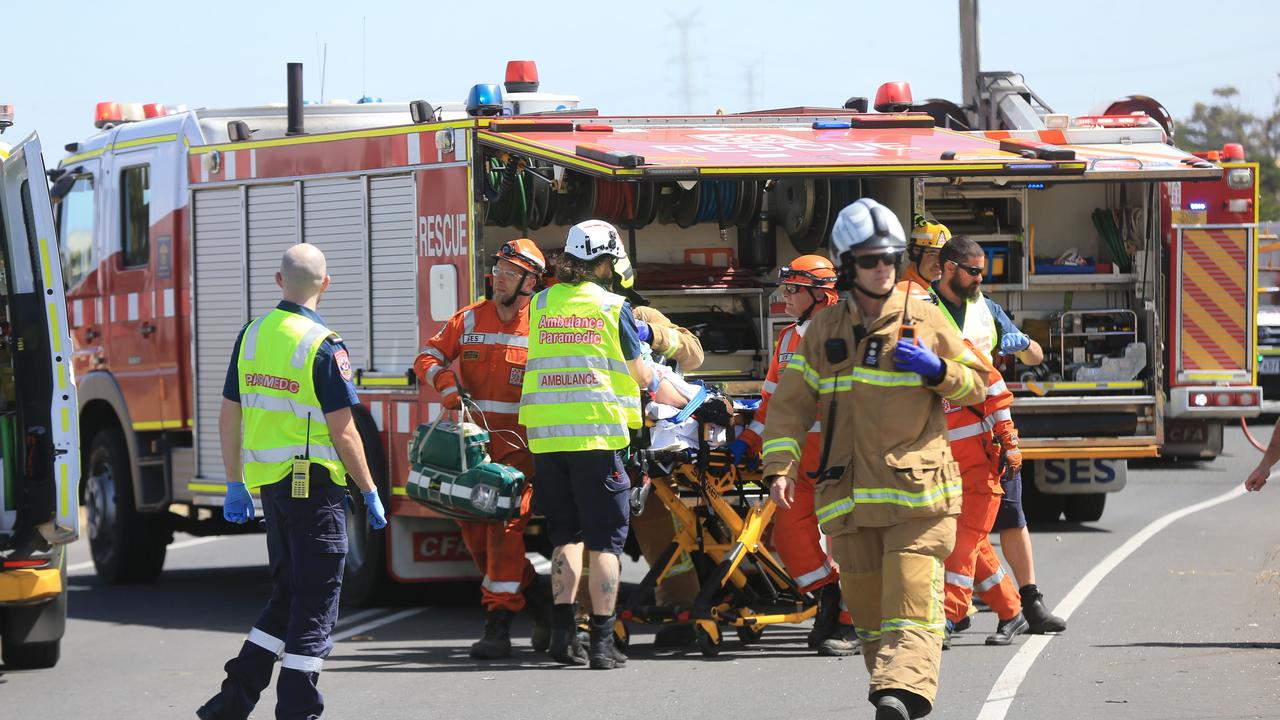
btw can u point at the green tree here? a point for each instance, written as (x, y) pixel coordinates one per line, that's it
(1213, 124)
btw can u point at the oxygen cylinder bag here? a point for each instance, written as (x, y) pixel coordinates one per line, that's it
(451, 473)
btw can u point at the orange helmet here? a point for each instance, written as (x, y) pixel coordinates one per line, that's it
(524, 253)
(812, 271)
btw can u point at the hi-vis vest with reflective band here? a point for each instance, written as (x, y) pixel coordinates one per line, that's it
(278, 395)
(578, 394)
(979, 324)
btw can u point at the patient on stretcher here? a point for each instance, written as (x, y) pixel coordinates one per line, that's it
(672, 406)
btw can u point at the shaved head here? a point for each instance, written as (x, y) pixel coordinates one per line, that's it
(303, 273)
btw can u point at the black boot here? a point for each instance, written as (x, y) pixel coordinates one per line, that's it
(495, 644)
(604, 654)
(842, 643)
(565, 648)
(216, 709)
(538, 601)
(828, 616)
(898, 704)
(1007, 630)
(1038, 616)
(964, 624)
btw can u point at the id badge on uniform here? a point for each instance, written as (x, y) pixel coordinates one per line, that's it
(300, 487)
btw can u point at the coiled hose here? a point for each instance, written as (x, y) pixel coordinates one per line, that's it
(511, 205)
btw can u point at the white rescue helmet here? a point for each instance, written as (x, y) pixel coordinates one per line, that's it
(866, 225)
(592, 239)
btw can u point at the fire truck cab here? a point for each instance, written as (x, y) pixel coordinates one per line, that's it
(39, 447)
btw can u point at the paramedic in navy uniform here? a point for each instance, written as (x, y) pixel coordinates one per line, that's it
(288, 396)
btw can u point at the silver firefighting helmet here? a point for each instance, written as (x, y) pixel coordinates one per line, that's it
(866, 225)
(592, 239)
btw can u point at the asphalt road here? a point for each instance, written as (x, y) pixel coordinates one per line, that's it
(1185, 625)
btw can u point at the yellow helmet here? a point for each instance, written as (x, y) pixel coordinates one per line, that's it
(929, 235)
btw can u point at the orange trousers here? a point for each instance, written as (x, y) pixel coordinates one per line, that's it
(973, 566)
(799, 544)
(498, 548)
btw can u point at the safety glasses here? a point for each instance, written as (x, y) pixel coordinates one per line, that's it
(973, 271)
(791, 289)
(499, 271)
(868, 262)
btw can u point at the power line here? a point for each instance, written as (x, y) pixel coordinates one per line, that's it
(684, 57)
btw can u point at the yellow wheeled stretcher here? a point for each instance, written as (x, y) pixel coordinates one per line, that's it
(721, 514)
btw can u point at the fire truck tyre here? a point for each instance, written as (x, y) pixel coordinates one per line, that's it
(365, 580)
(1085, 508)
(31, 635)
(127, 545)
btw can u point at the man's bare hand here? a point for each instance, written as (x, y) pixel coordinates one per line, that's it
(1257, 478)
(783, 491)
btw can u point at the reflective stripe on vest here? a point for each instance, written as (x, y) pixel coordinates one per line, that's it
(577, 392)
(282, 417)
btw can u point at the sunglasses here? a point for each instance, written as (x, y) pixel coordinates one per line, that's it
(973, 271)
(791, 289)
(869, 262)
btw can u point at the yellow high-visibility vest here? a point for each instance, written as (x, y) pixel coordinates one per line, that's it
(281, 412)
(577, 393)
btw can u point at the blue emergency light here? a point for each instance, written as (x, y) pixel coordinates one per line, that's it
(1035, 186)
(1197, 206)
(485, 99)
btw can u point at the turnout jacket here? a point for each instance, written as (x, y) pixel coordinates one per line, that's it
(888, 460)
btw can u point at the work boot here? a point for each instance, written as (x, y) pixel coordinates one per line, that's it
(828, 615)
(898, 704)
(604, 654)
(674, 636)
(964, 624)
(495, 644)
(842, 643)
(565, 648)
(538, 601)
(1007, 630)
(1038, 616)
(216, 709)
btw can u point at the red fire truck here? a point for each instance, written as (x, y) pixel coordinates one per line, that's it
(172, 227)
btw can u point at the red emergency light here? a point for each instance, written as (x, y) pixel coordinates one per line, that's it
(893, 97)
(1232, 152)
(107, 113)
(522, 76)
(151, 110)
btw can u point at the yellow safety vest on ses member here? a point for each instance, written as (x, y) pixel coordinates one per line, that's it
(577, 394)
(278, 401)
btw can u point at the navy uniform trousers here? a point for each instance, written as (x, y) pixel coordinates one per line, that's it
(306, 545)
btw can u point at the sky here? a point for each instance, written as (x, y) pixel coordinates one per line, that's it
(624, 58)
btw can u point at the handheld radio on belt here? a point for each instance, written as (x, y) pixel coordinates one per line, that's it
(300, 487)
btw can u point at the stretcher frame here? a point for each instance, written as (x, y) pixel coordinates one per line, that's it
(728, 596)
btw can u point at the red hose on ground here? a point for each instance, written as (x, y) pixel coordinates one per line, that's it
(1245, 426)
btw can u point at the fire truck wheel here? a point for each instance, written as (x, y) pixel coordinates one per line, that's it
(1085, 508)
(126, 545)
(365, 580)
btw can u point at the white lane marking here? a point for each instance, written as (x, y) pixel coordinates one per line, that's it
(345, 619)
(366, 627)
(1006, 687)
(175, 546)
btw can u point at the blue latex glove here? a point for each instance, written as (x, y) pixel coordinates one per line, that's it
(739, 449)
(1011, 343)
(377, 515)
(644, 331)
(917, 359)
(238, 505)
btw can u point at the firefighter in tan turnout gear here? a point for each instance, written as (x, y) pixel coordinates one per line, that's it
(875, 366)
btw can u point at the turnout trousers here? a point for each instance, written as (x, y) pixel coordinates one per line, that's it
(891, 578)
